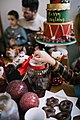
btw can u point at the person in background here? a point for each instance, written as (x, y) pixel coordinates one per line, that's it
(32, 21)
(68, 74)
(15, 34)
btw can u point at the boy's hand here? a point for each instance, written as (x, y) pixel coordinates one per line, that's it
(12, 42)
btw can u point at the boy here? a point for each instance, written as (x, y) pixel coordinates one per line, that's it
(14, 34)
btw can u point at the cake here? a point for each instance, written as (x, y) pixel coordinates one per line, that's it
(58, 26)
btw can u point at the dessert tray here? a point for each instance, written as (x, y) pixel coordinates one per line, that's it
(60, 96)
(40, 38)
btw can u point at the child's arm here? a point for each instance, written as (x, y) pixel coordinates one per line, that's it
(6, 38)
(9, 37)
(57, 67)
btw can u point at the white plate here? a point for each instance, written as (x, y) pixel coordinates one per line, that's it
(61, 96)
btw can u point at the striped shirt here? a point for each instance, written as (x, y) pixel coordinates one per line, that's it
(67, 74)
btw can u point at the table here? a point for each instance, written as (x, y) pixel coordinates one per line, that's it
(68, 89)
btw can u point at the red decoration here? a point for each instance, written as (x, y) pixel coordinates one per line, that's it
(29, 100)
(57, 30)
(24, 66)
(16, 89)
(55, 1)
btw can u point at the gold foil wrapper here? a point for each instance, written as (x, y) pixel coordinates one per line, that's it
(65, 23)
(58, 6)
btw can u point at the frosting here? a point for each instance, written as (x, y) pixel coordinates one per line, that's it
(58, 6)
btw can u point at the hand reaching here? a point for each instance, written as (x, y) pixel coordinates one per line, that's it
(42, 56)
